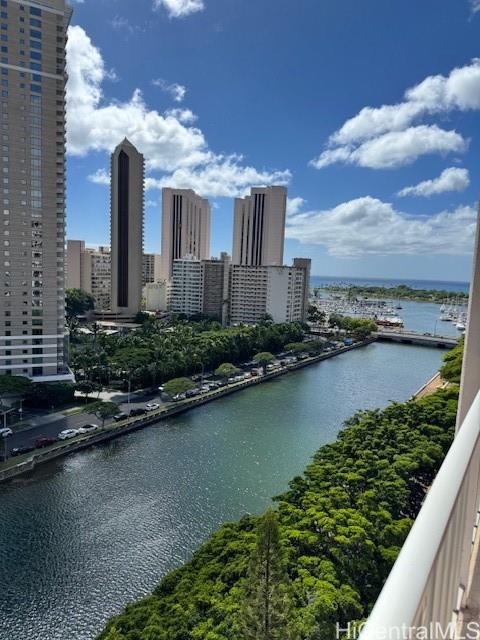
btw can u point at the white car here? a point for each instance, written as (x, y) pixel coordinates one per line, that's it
(88, 428)
(152, 406)
(67, 434)
(5, 432)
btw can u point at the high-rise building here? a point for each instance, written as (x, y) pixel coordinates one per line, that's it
(201, 286)
(127, 191)
(148, 268)
(259, 227)
(90, 269)
(32, 252)
(187, 291)
(185, 227)
(281, 292)
(157, 296)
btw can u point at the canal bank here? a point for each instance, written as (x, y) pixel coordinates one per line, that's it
(97, 529)
(28, 463)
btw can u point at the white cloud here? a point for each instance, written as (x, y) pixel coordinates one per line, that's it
(185, 116)
(395, 148)
(97, 126)
(452, 179)
(475, 6)
(224, 176)
(368, 226)
(176, 91)
(460, 90)
(294, 206)
(179, 8)
(101, 176)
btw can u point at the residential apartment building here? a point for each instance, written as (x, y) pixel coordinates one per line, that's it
(201, 286)
(185, 227)
(32, 252)
(148, 268)
(90, 269)
(259, 227)
(281, 292)
(127, 207)
(187, 290)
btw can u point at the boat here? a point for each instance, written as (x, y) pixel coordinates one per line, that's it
(461, 326)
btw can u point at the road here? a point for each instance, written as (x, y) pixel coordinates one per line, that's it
(27, 437)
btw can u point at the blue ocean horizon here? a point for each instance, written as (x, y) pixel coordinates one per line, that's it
(441, 285)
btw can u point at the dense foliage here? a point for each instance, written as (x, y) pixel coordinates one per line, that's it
(78, 302)
(155, 353)
(402, 292)
(48, 395)
(341, 526)
(452, 368)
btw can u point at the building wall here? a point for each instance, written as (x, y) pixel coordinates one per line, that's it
(185, 227)
(157, 296)
(127, 190)
(75, 249)
(259, 227)
(32, 258)
(277, 291)
(148, 268)
(187, 290)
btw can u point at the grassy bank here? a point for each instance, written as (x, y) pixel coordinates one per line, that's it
(402, 292)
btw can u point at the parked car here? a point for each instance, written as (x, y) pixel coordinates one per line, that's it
(137, 412)
(66, 434)
(41, 443)
(179, 396)
(161, 389)
(88, 428)
(120, 416)
(5, 432)
(20, 451)
(152, 406)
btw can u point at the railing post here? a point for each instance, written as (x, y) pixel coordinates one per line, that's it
(470, 383)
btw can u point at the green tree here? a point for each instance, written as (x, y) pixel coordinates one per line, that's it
(114, 634)
(226, 370)
(14, 385)
(178, 385)
(315, 316)
(49, 394)
(78, 302)
(106, 410)
(263, 358)
(452, 367)
(87, 387)
(267, 607)
(297, 347)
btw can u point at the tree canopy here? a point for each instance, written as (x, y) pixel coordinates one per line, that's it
(78, 302)
(106, 410)
(226, 370)
(452, 367)
(178, 385)
(14, 385)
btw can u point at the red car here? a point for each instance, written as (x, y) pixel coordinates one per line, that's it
(41, 443)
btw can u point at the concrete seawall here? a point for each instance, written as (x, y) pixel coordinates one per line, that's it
(28, 464)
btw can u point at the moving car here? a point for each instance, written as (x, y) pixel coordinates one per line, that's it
(66, 434)
(88, 428)
(152, 406)
(5, 432)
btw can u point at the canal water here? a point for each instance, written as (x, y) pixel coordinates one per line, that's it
(98, 529)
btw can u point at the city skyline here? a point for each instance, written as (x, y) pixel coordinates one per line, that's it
(408, 182)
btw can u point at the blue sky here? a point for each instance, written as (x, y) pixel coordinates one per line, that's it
(221, 95)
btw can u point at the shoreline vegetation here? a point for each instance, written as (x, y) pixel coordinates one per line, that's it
(401, 292)
(337, 531)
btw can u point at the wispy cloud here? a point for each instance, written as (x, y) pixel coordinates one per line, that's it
(175, 90)
(363, 139)
(180, 8)
(452, 179)
(367, 226)
(475, 6)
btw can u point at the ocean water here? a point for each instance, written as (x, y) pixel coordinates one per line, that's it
(442, 285)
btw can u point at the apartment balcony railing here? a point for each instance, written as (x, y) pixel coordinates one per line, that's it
(433, 590)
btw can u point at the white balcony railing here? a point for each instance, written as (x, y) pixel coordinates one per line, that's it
(430, 577)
